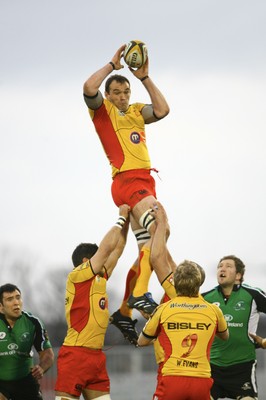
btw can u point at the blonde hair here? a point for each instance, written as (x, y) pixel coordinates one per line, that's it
(187, 279)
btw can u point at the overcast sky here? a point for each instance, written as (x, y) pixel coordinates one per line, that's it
(207, 57)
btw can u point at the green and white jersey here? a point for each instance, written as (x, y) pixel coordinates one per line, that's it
(16, 345)
(241, 311)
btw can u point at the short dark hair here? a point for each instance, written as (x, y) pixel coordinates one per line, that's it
(7, 288)
(83, 250)
(116, 77)
(240, 266)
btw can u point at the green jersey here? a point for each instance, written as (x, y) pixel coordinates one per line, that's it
(241, 311)
(16, 355)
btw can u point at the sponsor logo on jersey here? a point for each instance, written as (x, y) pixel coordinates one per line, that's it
(246, 386)
(142, 192)
(188, 306)
(135, 137)
(102, 303)
(188, 325)
(2, 335)
(235, 324)
(84, 265)
(12, 346)
(228, 317)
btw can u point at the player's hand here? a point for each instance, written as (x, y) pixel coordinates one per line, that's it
(258, 340)
(142, 71)
(37, 372)
(159, 212)
(124, 211)
(117, 57)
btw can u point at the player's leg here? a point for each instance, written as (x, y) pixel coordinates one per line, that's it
(141, 299)
(138, 190)
(122, 318)
(64, 396)
(131, 280)
(89, 394)
(142, 213)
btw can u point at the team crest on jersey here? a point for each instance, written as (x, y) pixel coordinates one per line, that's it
(240, 306)
(102, 303)
(2, 335)
(25, 337)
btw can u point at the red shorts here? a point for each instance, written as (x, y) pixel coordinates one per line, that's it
(183, 388)
(158, 391)
(130, 187)
(81, 368)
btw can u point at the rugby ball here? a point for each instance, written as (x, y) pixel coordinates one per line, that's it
(135, 54)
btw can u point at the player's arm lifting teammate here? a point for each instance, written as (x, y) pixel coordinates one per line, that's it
(81, 363)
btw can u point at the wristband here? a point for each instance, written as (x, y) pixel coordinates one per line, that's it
(145, 77)
(111, 63)
(120, 222)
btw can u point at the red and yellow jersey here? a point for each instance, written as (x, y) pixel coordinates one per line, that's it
(185, 328)
(158, 350)
(122, 135)
(86, 308)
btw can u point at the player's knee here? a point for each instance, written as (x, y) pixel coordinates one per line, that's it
(146, 220)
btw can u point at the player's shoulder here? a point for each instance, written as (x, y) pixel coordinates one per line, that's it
(136, 108)
(211, 292)
(252, 289)
(208, 303)
(30, 318)
(139, 105)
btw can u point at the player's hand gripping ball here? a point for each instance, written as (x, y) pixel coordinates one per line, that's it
(135, 54)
